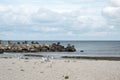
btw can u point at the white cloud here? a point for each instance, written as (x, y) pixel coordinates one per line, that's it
(44, 29)
(93, 34)
(70, 33)
(115, 2)
(112, 14)
(14, 16)
(29, 22)
(46, 15)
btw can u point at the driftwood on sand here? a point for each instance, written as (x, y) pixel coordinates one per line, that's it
(35, 47)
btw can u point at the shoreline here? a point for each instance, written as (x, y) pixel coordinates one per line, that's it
(116, 58)
(33, 55)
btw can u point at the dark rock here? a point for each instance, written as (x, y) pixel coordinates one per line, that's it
(0, 41)
(9, 42)
(33, 50)
(70, 48)
(58, 43)
(22, 70)
(44, 49)
(26, 42)
(35, 47)
(1, 51)
(18, 42)
(32, 42)
(81, 50)
(66, 77)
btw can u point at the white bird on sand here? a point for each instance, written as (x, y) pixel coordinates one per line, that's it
(20, 57)
(51, 60)
(52, 57)
(46, 59)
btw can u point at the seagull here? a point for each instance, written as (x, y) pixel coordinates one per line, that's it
(45, 59)
(20, 57)
(52, 57)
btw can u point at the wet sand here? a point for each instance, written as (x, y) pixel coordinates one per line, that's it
(58, 69)
(112, 58)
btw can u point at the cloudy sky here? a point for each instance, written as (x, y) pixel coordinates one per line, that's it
(60, 19)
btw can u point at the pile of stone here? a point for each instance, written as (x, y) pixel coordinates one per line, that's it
(35, 47)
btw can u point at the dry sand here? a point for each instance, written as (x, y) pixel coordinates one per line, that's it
(36, 69)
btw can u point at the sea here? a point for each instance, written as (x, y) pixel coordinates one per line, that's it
(90, 48)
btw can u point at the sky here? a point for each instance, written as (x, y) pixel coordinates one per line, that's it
(60, 19)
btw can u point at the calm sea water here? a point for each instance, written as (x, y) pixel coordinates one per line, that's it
(91, 48)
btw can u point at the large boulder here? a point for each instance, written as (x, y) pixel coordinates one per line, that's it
(1, 51)
(0, 41)
(70, 48)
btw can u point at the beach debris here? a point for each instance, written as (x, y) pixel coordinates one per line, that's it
(41, 72)
(9, 69)
(66, 77)
(13, 62)
(22, 70)
(26, 61)
(26, 58)
(5, 57)
(67, 61)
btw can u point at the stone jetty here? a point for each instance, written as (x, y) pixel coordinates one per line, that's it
(34, 46)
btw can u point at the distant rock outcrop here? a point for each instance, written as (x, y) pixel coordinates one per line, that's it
(35, 47)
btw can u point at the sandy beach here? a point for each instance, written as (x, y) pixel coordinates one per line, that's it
(58, 69)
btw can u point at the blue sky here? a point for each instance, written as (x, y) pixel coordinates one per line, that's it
(59, 19)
